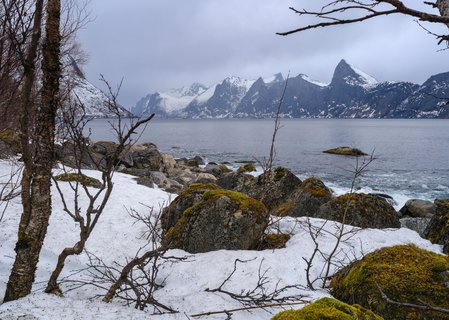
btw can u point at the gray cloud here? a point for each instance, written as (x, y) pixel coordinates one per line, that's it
(157, 45)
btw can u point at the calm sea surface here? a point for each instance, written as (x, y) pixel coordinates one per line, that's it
(412, 156)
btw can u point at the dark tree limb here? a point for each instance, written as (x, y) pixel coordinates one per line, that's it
(332, 13)
(424, 306)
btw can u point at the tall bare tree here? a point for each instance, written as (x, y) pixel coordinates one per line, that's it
(36, 215)
(339, 12)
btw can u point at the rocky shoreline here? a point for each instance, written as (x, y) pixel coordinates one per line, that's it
(279, 190)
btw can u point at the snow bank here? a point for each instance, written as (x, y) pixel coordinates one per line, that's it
(118, 237)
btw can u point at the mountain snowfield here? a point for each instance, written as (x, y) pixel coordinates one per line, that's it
(352, 93)
(94, 102)
(118, 238)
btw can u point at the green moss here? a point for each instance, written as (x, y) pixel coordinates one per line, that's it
(244, 202)
(315, 187)
(279, 173)
(250, 167)
(346, 151)
(80, 178)
(328, 309)
(274, 241)
(198, 187)
(405, 273)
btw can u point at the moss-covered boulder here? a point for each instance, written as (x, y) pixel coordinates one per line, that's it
(223, 219)
(186, 199)
(405, 274)
(346, 151)
(360, 210)
(328, 309)
(79, 178)
(437, 230)
(276, 187)
(306, 200)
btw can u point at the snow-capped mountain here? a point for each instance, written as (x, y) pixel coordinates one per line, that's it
(351, 94)
(94, 102)
(166, 104)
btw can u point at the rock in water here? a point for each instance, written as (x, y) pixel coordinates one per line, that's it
(223, 219)
(346, 151)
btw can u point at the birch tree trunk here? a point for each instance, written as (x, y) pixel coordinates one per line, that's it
(443, 7)
(33, 227)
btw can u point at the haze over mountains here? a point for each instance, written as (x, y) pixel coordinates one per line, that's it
(351, 94)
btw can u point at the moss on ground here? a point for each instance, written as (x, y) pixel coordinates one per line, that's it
(405, 273)
(328, 309)
(80, 178)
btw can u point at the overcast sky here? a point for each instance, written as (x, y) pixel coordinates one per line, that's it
(156, 45)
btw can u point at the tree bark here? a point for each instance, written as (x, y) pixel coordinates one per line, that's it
(443, 7)
(32, 232)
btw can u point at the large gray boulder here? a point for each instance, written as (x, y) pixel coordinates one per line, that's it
(276, 186)
(305, 200)
(240, 182)
(187, 198)
(360, 210)
(223, 219)
(437, 230)
(416, 208)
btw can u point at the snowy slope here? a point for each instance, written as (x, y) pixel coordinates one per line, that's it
(118, 237)
(94, 102)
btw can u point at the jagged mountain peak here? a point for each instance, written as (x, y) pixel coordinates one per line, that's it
(347, 74)
(278, 77)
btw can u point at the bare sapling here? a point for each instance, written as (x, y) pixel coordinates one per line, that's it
(88, 217)
(340, 235)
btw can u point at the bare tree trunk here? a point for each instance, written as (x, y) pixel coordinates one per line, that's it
(443, 7)
(31, 235)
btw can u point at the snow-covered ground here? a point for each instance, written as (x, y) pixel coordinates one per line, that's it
(118, 237)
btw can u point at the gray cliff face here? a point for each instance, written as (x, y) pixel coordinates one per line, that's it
(351, 94)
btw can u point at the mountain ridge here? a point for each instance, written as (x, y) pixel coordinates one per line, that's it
(351, 93)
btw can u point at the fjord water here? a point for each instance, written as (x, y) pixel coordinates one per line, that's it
(412, 156)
